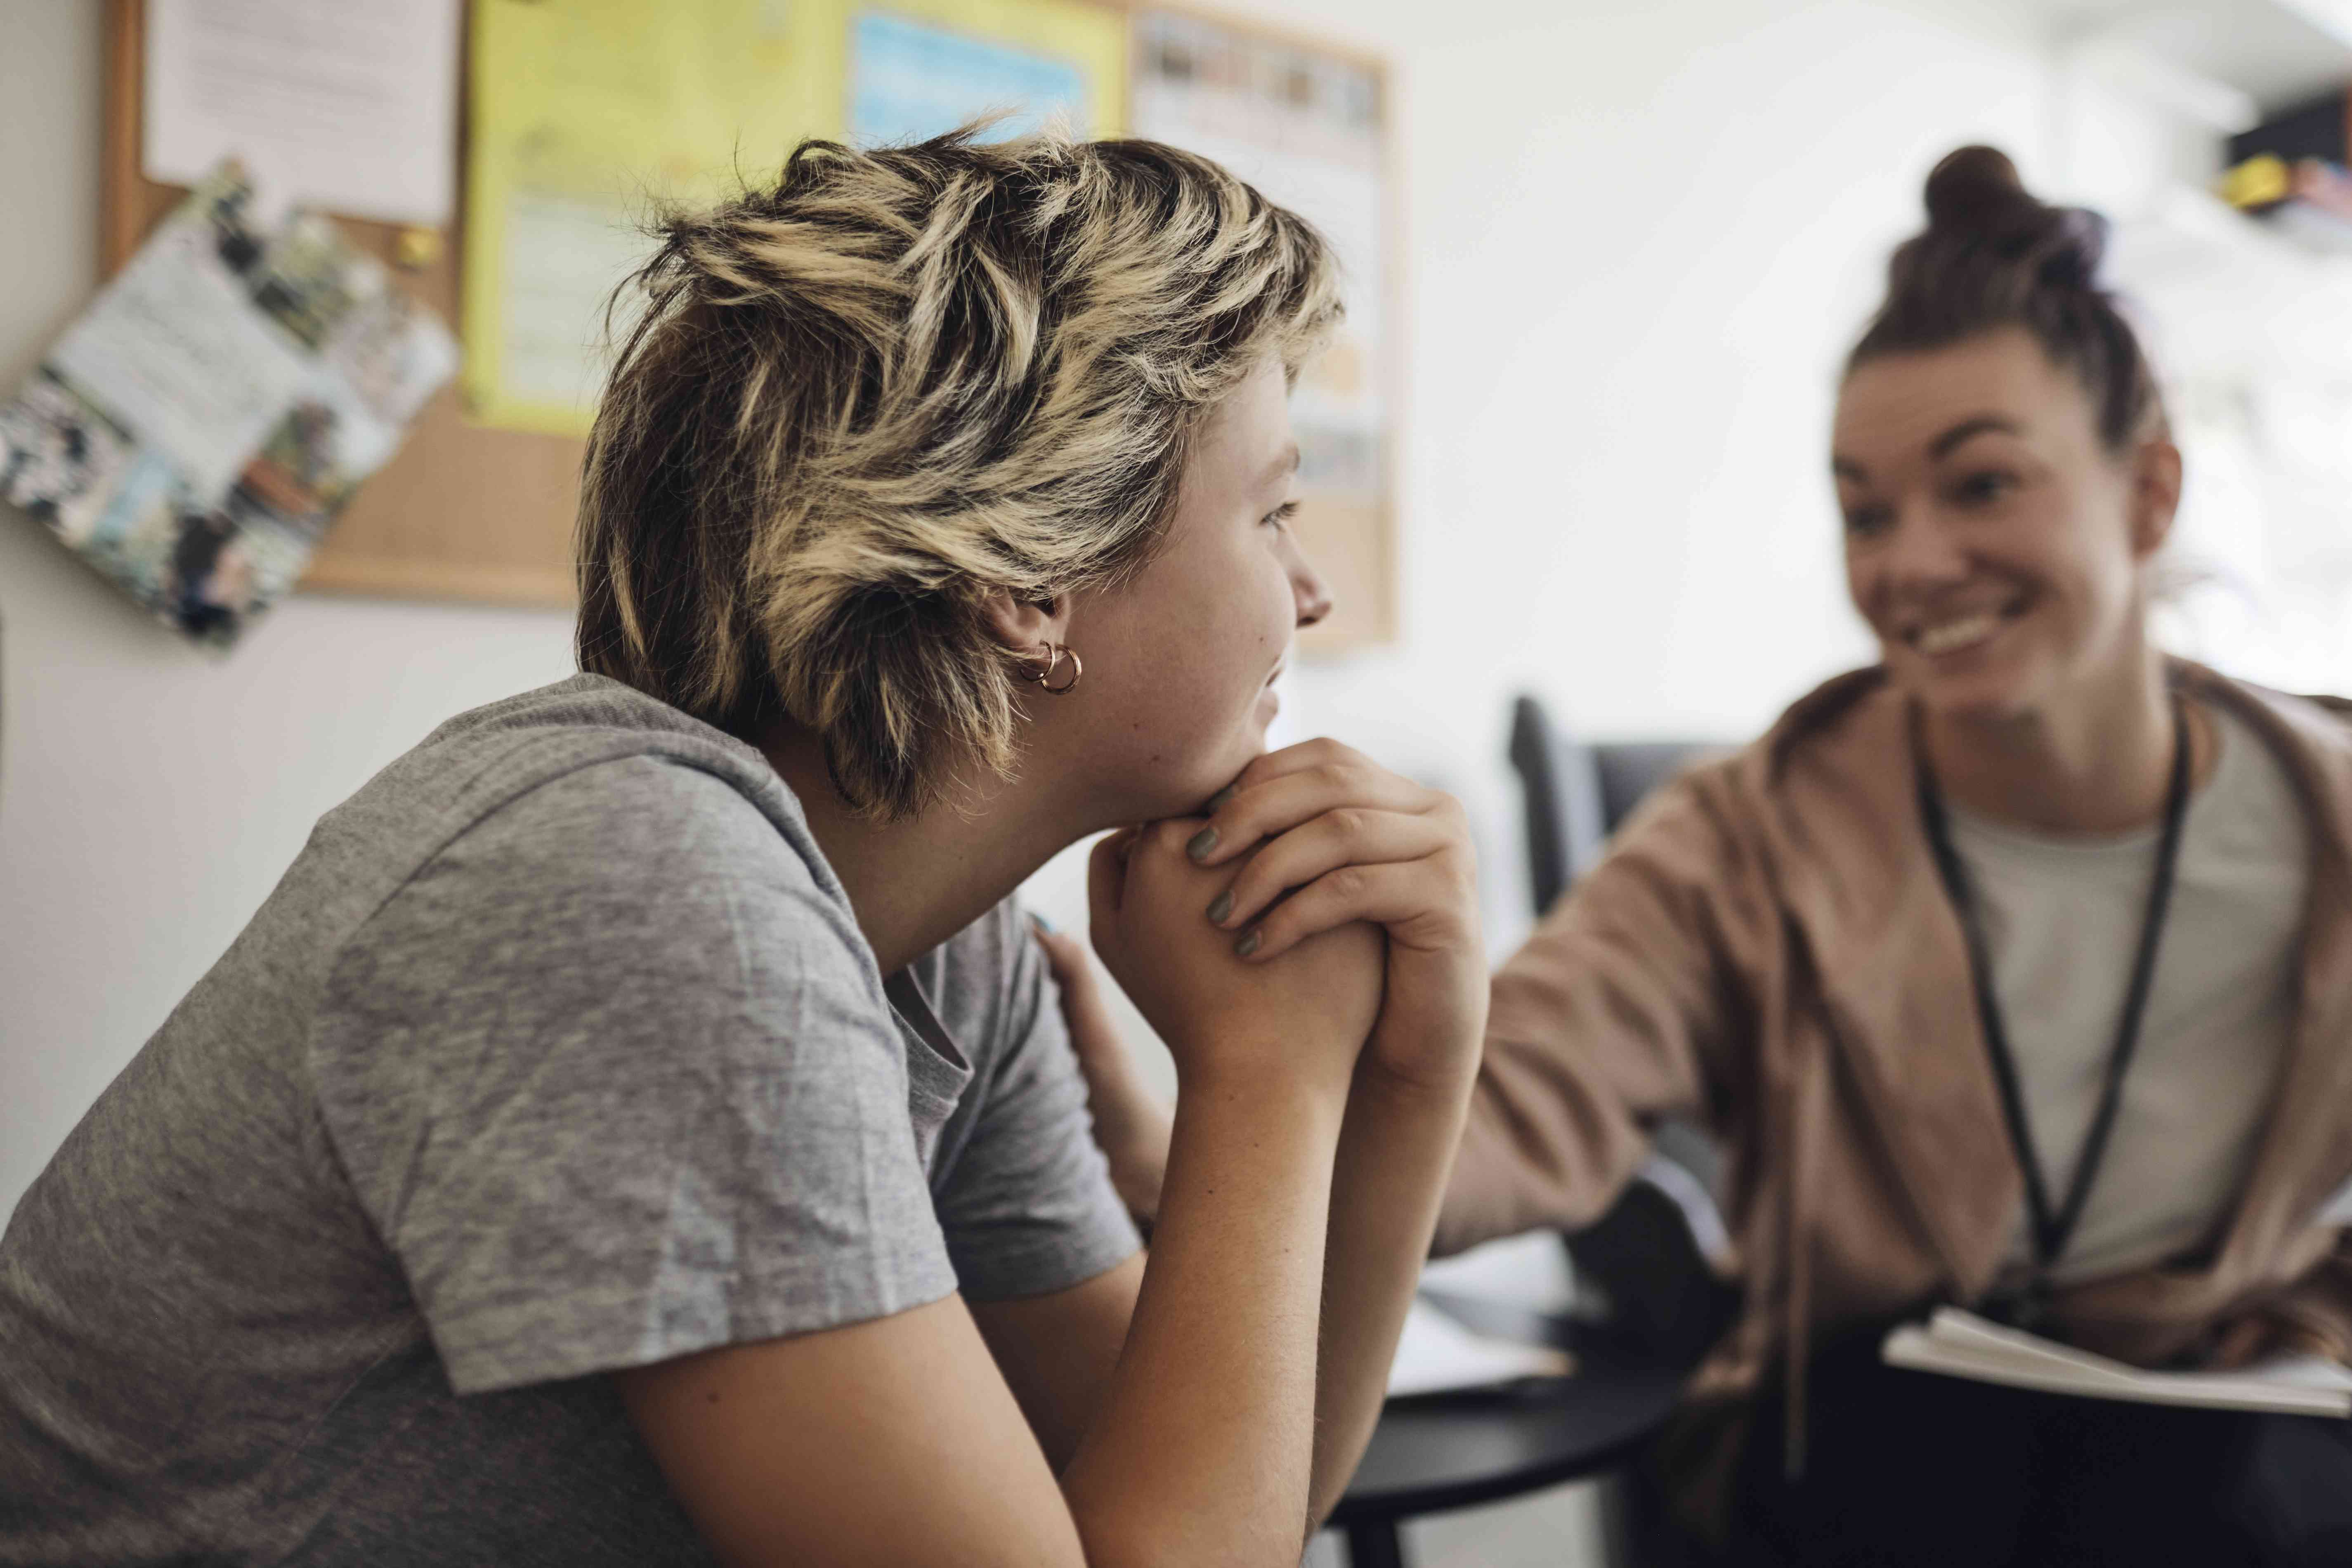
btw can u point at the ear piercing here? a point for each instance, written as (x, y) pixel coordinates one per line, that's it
(1043, 677)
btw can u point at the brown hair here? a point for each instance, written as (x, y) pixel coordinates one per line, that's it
(860, 401)
(1992, 256)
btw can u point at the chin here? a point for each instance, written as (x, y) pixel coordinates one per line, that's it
(1993, 690)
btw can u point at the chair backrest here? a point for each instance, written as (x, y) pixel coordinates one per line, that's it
(1630, 771)
(1566, 814)
(1576, 794)
(1648, 1254)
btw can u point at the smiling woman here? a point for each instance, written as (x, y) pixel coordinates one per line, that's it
(2013, 971)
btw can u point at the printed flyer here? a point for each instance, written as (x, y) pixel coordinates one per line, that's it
(193, 434)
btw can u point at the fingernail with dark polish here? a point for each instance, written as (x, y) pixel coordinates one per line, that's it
(1040, 922)
(1220, 907)
(1247, 945)
(1221, 796)
(1201, 843)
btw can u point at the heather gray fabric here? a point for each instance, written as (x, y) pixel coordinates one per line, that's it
(557, 1050)
(2063, 916)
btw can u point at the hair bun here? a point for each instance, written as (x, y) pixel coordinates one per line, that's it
(1975, 188)
(1974, 197)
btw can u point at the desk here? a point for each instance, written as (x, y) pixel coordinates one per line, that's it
(1430, 1454)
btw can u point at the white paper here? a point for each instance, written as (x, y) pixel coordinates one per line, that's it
(564, 257)
(1529, 1272)
(180, 355)
(197, 431)
(1437, 1354)
(1961, 1344)
(346, 108)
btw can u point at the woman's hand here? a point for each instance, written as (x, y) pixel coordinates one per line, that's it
(1304, 1011)
(2259, 1335)
(1323, 836)
(1131, 1123)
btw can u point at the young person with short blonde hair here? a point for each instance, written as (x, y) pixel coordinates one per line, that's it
(639, 1126)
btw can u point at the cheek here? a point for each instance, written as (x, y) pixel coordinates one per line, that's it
(1863, 580)
(1216, 639)
(2078, 555)
(1244, 605)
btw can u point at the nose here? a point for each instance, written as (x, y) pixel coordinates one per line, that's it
(1921, 552)
(1307, 590)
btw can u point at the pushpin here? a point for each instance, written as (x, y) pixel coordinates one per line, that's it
(416, 248)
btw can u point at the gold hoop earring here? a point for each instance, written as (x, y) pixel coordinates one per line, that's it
(1043, 677)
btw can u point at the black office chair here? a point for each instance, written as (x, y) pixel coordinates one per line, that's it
(1642, 1267)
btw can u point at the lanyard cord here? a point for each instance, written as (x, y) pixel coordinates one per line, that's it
(2052, 1230)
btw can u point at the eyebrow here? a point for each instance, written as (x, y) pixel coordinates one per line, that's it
(1284, 466)
(1943, 446)
(1969, 430)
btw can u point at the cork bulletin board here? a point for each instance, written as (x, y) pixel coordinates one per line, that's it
(472, 511)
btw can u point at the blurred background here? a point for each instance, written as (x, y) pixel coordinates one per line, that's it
(1605, 259)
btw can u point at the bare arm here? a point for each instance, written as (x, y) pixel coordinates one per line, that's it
(1057, 1352)
(1322, 836)
(1131, 1124)
(898, 1441)
(1395, 1146)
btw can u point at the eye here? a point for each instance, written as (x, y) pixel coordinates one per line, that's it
(1280, 516)
(1865, 520)
(1984, 487)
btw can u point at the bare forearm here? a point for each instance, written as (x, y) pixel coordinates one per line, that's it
(1389, 1177)
(1202, 1447)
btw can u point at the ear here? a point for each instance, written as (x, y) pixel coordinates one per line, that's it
(2155, 495)
(1026, 625)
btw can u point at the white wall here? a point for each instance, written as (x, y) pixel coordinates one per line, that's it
(1640, 235)
(149, 795)
(1640, 232)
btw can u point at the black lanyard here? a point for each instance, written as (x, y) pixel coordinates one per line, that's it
(2053, 1229)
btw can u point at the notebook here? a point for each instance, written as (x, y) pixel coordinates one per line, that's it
(1960, 1344)
(1439, 1354)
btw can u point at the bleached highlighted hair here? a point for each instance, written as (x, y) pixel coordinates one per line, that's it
(858, 403)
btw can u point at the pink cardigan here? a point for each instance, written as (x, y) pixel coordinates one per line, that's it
(1767, 945)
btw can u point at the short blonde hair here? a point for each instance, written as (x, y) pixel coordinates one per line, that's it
(858, 403)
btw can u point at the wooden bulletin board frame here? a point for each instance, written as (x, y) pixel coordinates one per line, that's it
(466, 512)
(462, 511)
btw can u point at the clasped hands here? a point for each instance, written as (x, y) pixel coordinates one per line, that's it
(1319, 924)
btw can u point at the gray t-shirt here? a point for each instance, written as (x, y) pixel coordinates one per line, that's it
(557, 1050)
(2063, 916)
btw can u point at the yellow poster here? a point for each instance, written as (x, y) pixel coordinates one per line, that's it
(587, 115)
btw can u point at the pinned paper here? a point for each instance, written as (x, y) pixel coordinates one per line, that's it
(340, 108)
(193, 434)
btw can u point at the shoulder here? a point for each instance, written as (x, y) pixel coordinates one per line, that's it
(558, 842)
(1843, 740)
(2316, 723)
(2309, 737)
(584, 783)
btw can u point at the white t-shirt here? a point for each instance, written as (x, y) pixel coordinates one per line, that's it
(2063, 916)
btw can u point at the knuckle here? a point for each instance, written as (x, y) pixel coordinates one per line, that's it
(1349, 824)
